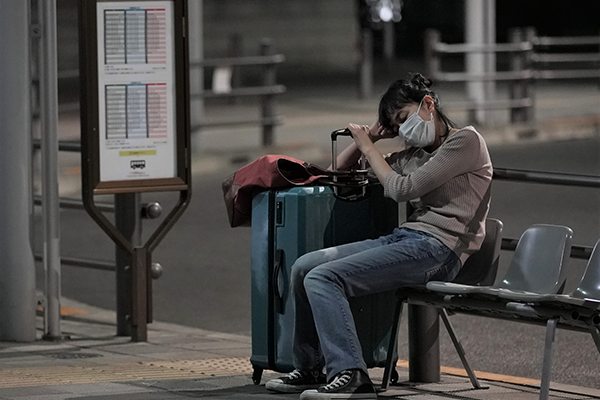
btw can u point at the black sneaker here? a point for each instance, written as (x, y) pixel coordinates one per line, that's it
(348, 384)
(297, 381)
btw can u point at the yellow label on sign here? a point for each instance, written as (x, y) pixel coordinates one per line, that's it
(134, 153)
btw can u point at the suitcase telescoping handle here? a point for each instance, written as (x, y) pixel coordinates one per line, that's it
(363, 167)
(334, 136)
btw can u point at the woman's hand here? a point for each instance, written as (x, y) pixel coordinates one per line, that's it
(377, 132)
(362, 136)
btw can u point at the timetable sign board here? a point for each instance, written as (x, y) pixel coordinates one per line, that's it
(138, 90)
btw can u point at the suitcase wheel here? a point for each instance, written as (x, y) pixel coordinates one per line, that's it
(257, 375)
(395, 377)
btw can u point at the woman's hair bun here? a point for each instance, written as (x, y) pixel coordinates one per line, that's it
(420, 81)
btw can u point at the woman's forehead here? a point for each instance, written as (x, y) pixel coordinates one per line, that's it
(406, 108)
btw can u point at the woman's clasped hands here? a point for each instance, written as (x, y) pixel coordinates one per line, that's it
(364, 136)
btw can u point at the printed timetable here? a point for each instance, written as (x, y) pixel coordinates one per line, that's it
(136, 90)
(135, 36)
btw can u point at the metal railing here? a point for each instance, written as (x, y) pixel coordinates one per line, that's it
(551, 178)
(266, 91)
(529, 61)
(574, 65)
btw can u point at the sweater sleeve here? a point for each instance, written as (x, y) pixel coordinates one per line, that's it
(457, 155)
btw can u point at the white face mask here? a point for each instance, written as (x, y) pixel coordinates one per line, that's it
(417, 132)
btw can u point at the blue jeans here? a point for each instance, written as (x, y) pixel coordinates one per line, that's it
(323, 280)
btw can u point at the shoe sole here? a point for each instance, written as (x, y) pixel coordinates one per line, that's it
(285, 388)
(315, 395)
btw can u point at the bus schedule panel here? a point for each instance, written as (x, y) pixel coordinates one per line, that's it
(134, 90)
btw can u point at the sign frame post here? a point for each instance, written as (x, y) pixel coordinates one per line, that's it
(148, 116)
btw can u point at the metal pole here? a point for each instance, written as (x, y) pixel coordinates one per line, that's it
(516, 87)
(268, 112)
(128, 222)
(235, 50)
(17, 286)
(366, 64)
(489, 27)
(547, 364)
(50, 199)
(475, 62)
(196, 47)
(423, 344)
(432, 59)
(528, 91)
(389, 41)
(139, 293)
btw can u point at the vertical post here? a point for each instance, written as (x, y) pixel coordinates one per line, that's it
(50, 200)
(127, 221)
(366, 64)
(17, 286)
(475, 62)
(266, 49)
(139, 293)
(528, 92)
(389, 41)
(423, 344)
(235, 50)
(196, 46)
(516, 87)
(547, 364)
(489, 27)
(432, 59)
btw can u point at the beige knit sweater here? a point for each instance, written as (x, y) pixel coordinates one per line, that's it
(449, 189)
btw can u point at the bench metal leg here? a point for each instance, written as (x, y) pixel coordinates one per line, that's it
(596, 336)
(392, 345)
(459, 348)
(547, 364)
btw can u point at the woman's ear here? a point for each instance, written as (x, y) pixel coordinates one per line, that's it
(429, 103)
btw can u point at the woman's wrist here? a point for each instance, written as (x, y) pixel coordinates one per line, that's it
(374, 138)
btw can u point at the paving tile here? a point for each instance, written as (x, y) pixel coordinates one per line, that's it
(500, 395)
(137, 348)
(102, 388)
(244, 352)
(177, 355)
(132, 396)
(211, 345)
(448, 387)
(429, 397)
(32, 391)
(395, 393)
(41, 397)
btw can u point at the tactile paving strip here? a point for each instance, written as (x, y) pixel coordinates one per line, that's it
(154, 370)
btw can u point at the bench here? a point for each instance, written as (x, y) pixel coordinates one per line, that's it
(529, 291)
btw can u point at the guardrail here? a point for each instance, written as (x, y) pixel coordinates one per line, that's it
(551, 178)
(529, 61)
(582, 65)
(266, 92)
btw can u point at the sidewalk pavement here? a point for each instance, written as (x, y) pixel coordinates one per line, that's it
(180, 362)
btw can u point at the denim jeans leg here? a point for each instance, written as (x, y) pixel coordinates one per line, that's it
(403, 258)
(306, 351)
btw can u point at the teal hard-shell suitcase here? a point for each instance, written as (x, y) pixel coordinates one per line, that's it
(285, 225)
